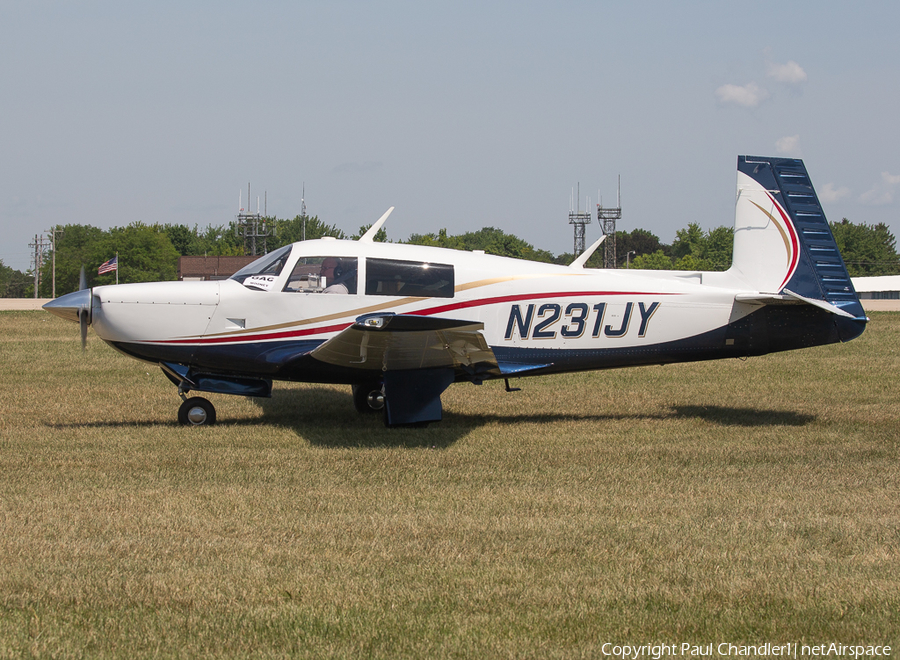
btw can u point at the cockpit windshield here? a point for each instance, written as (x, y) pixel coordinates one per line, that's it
(261, 273)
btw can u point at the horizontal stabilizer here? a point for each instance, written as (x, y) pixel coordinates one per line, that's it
(791, 298)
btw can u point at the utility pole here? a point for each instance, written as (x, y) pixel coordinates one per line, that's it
(38, 246)
(53, 231)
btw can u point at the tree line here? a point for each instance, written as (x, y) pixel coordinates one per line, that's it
(151, 252)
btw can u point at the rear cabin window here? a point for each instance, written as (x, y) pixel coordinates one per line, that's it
(392, 277)
(323, 275)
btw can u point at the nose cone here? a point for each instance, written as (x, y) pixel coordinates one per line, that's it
(71, 305)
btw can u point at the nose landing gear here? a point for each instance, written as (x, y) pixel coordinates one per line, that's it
(196, 411)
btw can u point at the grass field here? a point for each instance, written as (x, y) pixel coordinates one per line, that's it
(737, 501)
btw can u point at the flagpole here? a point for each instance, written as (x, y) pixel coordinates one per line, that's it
(117, 267)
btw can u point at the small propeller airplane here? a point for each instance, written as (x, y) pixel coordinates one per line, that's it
(401, 323)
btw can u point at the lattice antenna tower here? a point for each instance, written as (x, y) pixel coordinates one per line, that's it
(303, 214)
(578, 220)
(254, 228)
(607, 218)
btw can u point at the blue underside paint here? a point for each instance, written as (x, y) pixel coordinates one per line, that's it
(768, 330)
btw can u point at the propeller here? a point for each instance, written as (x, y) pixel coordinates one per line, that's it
(83, 322)
(75, 306)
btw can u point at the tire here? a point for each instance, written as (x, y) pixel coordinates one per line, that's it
(368, 398)
(197, 411)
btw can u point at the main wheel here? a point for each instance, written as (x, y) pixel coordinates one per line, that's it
(197, 411)
(368, 398)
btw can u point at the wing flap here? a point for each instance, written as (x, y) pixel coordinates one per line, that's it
(406, 342)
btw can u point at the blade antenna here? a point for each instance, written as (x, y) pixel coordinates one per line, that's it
(369, 236)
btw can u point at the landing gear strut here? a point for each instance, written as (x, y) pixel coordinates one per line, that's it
(196, 411)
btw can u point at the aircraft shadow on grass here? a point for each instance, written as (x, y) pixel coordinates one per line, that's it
(325, 418)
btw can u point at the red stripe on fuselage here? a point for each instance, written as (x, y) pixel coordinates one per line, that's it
(440, 309)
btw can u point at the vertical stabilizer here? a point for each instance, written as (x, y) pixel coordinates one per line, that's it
(782, 241)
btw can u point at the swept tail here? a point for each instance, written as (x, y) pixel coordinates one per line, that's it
(783, 246)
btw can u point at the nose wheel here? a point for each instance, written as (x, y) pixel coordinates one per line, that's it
(197, 411)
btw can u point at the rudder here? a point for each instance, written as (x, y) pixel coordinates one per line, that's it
(782, 241)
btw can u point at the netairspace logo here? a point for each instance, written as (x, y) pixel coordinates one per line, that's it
(725, 649)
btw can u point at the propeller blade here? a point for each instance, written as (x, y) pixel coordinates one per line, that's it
(82, 280)
(83, 322)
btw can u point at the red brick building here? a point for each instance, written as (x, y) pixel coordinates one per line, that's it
(210, 268)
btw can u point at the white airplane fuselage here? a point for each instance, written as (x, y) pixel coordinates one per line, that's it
(405, 320)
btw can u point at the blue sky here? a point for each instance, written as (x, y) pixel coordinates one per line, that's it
(461, 114)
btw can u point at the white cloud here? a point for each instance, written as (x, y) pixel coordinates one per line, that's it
(829, 194)
(790, 73)
(748, 96)
(882, 192)
(789, 146)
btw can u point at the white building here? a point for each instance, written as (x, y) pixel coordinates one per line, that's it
(880, 293)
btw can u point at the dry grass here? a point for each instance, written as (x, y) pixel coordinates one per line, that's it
(731, 501)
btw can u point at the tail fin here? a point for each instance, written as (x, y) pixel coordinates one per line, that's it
(783, 245)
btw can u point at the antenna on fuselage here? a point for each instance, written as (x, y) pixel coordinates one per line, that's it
(584, 256)
(369, 236)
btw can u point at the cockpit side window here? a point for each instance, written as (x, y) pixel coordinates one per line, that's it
(261, 274)
(393, 277)
(323, 275)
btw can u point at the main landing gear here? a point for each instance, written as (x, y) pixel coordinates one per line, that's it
(196, 411)
(368, 397)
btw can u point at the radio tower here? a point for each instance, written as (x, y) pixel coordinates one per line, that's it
(579, 220)
(607, 218)
(303, 210)
(254, 228)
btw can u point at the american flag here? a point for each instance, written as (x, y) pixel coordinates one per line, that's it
(109, 266)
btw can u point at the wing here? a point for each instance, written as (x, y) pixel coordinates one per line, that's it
(404, 342)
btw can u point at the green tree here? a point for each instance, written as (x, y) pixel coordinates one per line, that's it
(659, 260)
(441, 239)
(707, 251)
(719, 247)
(219, 240)
(489, 239)
(291, 231)
(14, 283)
(690, 262)
(380, 235)
(638, 241)
(186, 241)
(145, 254)
(867, 249)
(75, 249)
(689, 240)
